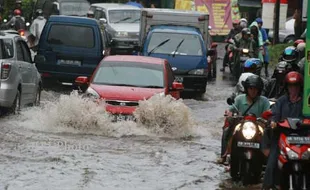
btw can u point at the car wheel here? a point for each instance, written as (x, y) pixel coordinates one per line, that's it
(15, 109)
(38, 97)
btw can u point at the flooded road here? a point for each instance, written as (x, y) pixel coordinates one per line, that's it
(69, 143)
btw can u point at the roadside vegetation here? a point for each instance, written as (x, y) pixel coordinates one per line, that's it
(275, 51)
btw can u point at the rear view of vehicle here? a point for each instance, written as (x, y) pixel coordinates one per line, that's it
(64, 7)
(294, 158)
(69, 47)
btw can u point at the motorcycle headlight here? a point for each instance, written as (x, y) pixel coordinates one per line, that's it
(197, 72)
(245, 50)
(291, 154)
(306, 155)
(121, 34)
(249, 130)
(91, 93)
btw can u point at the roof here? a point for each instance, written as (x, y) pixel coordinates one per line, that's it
(8, 33)
(110, 6)
(134, 58)
(72, 19)
(175, 29)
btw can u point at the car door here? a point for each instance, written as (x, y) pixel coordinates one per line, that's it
(25, 70)
(170, 79)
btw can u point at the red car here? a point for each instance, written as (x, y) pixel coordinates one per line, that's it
(122, 81)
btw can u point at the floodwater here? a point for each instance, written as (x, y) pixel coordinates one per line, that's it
(69, 143)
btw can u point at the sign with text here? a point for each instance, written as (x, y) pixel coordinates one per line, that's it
(268, 13)
(221, 12)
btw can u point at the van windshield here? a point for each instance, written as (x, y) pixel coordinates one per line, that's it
(74, 8)
(183, 44)
(124, 16)
(70, 35)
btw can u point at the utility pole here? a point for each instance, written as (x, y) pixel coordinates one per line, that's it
(276, 22)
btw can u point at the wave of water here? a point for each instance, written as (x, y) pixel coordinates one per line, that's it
(158, 116)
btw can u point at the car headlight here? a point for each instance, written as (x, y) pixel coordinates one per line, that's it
(91, 93)
(291, 154)
(306, 155)
(197, 72)
(121, 34)
(249, 130)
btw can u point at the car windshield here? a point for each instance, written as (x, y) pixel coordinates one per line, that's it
(185, 44)
(70, 35)
(124, 16)
(74, 8)
(130, 74)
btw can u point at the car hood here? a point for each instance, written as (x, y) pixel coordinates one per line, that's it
(125, 93)
(126, 27)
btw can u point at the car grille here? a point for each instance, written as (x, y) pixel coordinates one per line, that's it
(121, 103)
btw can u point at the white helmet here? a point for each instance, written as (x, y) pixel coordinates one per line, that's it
(301, 46)
(244, 20)
(242, 78)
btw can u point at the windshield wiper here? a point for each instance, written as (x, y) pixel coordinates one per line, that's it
(158, 46)
(123, 85)
(124, 19)
(152, 86)
(177, 48)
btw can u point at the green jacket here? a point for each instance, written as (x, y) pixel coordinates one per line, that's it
(260, 42)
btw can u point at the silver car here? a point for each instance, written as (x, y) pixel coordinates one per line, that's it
(20, 82)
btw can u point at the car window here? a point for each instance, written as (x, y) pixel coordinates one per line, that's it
(8, 49)
(100, 14)
(19, 51)
(170, 75)
(71, 35)
(26, 52)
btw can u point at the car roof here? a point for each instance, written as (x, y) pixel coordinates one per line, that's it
(8, 34)
(72, 19)
(118, 6)
(134, 58)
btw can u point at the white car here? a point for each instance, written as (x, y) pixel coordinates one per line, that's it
(286, 35)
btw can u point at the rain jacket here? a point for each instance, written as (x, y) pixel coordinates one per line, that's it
(37, 27)
(260, 42)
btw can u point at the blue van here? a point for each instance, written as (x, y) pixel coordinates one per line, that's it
(70, 47)
(185, 50)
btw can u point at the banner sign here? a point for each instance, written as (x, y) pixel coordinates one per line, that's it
(221, 12)
(306, 96)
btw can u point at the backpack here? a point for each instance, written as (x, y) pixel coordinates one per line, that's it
(19, 24)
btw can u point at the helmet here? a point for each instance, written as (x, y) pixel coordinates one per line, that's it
(90, 13)
(254, 81)
(18, 1)
(259, 21)
(293, 77)
(245, 31)
(236, 22)
(301, 47)
(39, 12)
(241, 80)
(298, 42)
(17, 12)
(253, 65)
(243, 23)
(244, 20)
(290, 54)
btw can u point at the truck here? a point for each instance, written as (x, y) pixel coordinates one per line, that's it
(181, 37)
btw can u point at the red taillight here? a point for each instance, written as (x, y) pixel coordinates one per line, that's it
(21, 32)
(5, 70)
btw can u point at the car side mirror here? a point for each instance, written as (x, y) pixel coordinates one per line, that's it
(214, 45)
(176, 86)
(103, 21)
(39, 59)
(230, 101)
(211, 52)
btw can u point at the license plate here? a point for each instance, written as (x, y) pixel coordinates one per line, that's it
(68, 62)
(248, 145)
(124, 118)
(179, 79)
(298, 140)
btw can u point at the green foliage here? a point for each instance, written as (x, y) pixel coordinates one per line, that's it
(27, 8)
(9, 5)
(275, 51)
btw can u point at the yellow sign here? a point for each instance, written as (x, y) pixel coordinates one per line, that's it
(183, 4)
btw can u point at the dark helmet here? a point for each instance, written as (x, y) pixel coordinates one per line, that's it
(290, 54)
(255, 82)
(245, 31)
(293, 77)
(17, 12)
(18, 1)
(259, 21)
(39, 12)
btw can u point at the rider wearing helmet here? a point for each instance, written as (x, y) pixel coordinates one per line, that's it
(288, 105)
(290, 54)
(234, 31)
(17, 21)
(37, 27)
(253, 87)
(90, 14)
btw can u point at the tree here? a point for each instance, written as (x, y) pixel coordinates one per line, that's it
(8, 7)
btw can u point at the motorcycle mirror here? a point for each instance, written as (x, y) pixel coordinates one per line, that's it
(230, 101)
(27, 24)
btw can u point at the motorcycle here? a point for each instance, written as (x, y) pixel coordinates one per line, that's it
(246, 159)
(294, 158)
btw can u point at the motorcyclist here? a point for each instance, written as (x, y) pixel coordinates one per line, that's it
(242, 24)
(17, 21)
(90, 14)
(235, 30)
(37, 27)
(253, 86)
(288, 105)
(265, 44)
(247, 43)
